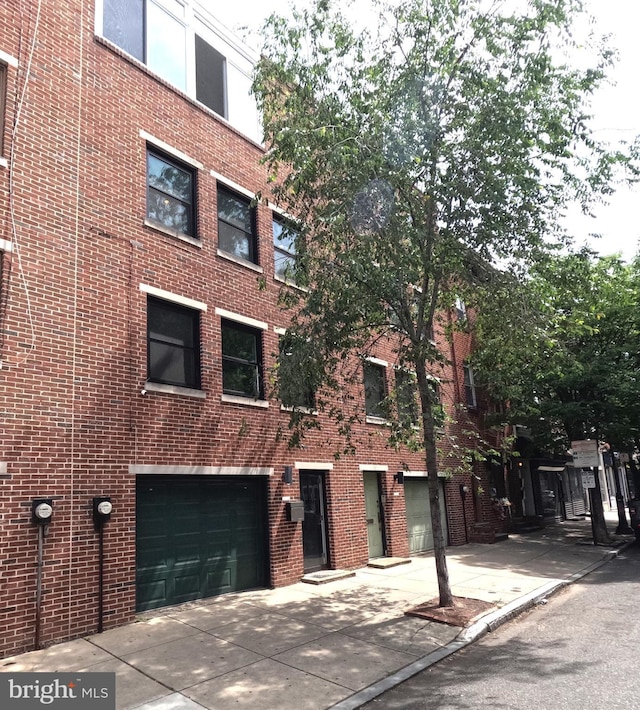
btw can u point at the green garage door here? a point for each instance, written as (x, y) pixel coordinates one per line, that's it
(416, 495)
(198, 537)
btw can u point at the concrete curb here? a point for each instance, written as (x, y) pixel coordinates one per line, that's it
(466, 637)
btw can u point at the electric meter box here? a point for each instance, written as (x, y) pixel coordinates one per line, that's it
(101, 509)
(41, 511)
(295, 511)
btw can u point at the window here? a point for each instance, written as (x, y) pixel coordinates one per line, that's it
(170, 194)
(461, 310)
(296, 389)
(406, 397)
(3, 102)
(469, 387)
(236, 226)
(375, 389)
(241, 360)
(178, 40)
(173, 344)
(284, 244)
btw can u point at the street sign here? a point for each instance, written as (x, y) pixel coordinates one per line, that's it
(588, 479)
(585, 453)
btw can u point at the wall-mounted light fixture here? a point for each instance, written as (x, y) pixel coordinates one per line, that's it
(399, 477)
(287, 475)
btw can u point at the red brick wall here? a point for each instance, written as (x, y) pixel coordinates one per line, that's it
(74, 327)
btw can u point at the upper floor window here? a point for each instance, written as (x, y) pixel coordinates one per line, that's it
(173, 344)
(375, 389)
(173, 38)
(296, 388)
(406, 397)
(236, 226)
(241, 360)
(284, 244)
(470, 387)
(461, 310)
(170, 194)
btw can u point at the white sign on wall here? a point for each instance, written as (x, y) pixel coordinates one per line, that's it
(585, 453)
(588, 479)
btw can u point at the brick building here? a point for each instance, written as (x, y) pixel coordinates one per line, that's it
(139, 320)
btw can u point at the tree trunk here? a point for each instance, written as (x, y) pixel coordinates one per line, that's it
(426, 401)
(623, 526)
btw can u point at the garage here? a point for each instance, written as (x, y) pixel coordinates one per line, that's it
(198, 537)
(416, 494)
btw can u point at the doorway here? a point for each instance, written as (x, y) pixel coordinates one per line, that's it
(374, 513)
(314, 529)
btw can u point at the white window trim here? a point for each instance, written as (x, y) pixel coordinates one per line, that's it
(233, 185)
(423, 474)
(377, 361)
(246, 401)
(380, 421)
(173, 297)
(172, 233)
(244, 320)
(380, 468)
(170, 150)
(5, 245)
(8, 60)
(312, 466)
(279, 331)
(174, 389)
(160, 470)
(241, 262)
(304, 410)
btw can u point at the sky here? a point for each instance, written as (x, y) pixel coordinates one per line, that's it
(615, 110)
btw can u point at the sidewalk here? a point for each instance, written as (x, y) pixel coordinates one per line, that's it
(308, 647)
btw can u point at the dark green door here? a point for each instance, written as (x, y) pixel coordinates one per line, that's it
(198, 537)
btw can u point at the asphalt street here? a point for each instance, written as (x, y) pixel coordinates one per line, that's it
(579, 650)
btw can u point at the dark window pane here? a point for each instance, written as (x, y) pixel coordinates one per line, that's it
(284, 237)
(210, 66)
(169, 178)
(123, 24)
(406, 395)
(236, 234)
(171, 326)
(169, 212)
(173, 344)
(239, 344)
(234, 241)
(171, 364)
(239, 378)
(374, 389)
(234, 211)
(284, 265)
(170, 194)
(241, 361)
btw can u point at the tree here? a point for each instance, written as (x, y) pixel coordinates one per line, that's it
(568, 364)
(413, 153)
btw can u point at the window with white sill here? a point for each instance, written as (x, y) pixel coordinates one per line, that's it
(184, 45)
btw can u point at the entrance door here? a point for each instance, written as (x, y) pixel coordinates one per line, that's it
(416, 494)
(314, 531)
(374, 515)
